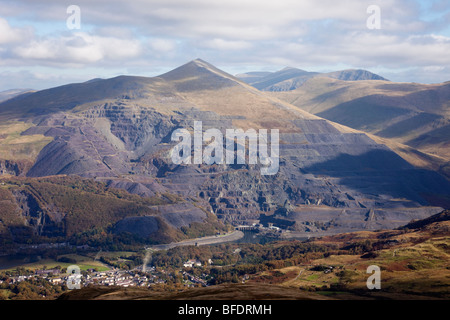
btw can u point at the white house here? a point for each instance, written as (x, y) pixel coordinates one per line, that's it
(191, 263)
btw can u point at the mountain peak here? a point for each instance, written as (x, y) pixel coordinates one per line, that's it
(201, 62)
(192, 68)
(291, 69)
(199, 75)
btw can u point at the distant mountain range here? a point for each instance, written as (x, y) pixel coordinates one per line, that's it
(116, 133)
(412, 114)
(289, 79)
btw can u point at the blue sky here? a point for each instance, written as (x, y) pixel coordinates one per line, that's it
(147, 38)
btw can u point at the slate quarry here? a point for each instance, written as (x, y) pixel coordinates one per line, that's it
(331, 178)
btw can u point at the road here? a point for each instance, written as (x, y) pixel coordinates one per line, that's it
(236, 235)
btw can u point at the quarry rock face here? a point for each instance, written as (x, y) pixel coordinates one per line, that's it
(330, 178)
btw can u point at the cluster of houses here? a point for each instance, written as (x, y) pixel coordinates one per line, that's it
(120, 278)
(114, 277)
(107, 278)
(195, 279)
(51, 274)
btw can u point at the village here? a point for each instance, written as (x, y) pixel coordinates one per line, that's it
(137, 277)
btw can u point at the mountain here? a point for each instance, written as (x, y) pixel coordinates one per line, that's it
(117, 132)
(9, 94)
(412, 114)
(289, 79)
(69, 96)
(283, 80)
(251, 77)
(353, 75)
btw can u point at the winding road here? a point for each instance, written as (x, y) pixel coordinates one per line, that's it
(233, 236)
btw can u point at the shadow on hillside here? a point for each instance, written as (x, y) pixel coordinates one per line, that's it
(382, 172)
(364, 112)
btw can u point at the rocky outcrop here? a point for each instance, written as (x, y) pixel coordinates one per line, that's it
(38, 219)
(15, 168)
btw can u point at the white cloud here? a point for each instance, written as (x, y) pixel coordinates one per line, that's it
(12, 35)
(79, 48)
(162, 45)
(161, 34)
(221, 44)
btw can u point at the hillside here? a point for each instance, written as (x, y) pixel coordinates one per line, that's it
(9, 94)
(413, 260)
(82, 211)
(416, 115)
(117, 131)
(220, 292)
(70, 96)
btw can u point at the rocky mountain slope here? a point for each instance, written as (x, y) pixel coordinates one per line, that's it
(118, 132)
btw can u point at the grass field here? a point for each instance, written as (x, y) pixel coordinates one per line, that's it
(83, 262)
(14, 146)
(110, 254)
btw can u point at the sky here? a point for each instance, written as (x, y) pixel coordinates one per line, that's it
(42, 44)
